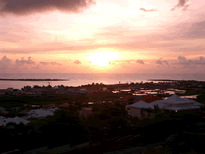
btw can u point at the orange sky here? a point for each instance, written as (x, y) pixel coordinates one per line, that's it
(102, 36)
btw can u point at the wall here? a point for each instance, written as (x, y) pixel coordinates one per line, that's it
(136, 112)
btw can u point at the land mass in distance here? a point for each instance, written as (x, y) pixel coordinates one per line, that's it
(166, 80)
(35, 79)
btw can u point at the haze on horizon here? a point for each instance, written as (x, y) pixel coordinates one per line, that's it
(102, 36)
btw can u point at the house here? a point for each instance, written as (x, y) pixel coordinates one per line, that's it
(136, 109)
(175, 103)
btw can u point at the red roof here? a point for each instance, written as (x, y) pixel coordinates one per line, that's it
(125, 98)
(148, 99)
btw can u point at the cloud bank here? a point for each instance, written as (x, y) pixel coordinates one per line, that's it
(25, 7)
(187, 62)
(23, 61)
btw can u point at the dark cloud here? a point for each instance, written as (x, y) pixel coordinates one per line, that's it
(25, 7)
(5, 60)
(151, 10)
(55, 63)
(140, 61)
(5, 63)
(23, 61)
(185, 7)
(181, 4)
(166, 62)
(77, 62)
(159, 62)
(44, 63)
(188, 62)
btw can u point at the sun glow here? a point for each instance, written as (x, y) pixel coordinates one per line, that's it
(102, 58)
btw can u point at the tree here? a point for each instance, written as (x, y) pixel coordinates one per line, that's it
(142, 112)
(131, 100)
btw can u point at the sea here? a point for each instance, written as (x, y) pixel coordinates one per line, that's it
(84, 79)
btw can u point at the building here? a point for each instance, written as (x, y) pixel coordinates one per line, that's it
(136, 109)
(176, 103)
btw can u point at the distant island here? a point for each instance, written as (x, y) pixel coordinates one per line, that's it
(167, 80)
(35, 79)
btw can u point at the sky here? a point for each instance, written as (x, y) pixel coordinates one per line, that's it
(102, 36)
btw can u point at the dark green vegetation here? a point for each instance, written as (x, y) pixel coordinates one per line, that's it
(66, 127)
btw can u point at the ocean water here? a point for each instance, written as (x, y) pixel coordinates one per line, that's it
(82, 79)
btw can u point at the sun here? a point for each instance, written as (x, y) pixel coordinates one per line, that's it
(102, 58)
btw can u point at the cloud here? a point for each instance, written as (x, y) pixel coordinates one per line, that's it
(44, 63)
(159, 62)
(140, 61)
(5, 63)
(55, 63)
(166, 62)
(151, 10)
(185, 7)
(23, 61)
(181, 4)
(187, 62)
(5, 60)
(77, 62)
(25, 7)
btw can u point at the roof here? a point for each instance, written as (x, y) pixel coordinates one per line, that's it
(175, 99)
(2, 109)
(141, 104)
(148, 99)
(137, 97)
(183, 108)
(126, 98)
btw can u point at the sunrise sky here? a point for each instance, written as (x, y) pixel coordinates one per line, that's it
(102, 36)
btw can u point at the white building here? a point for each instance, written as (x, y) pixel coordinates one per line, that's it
(177, 103)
